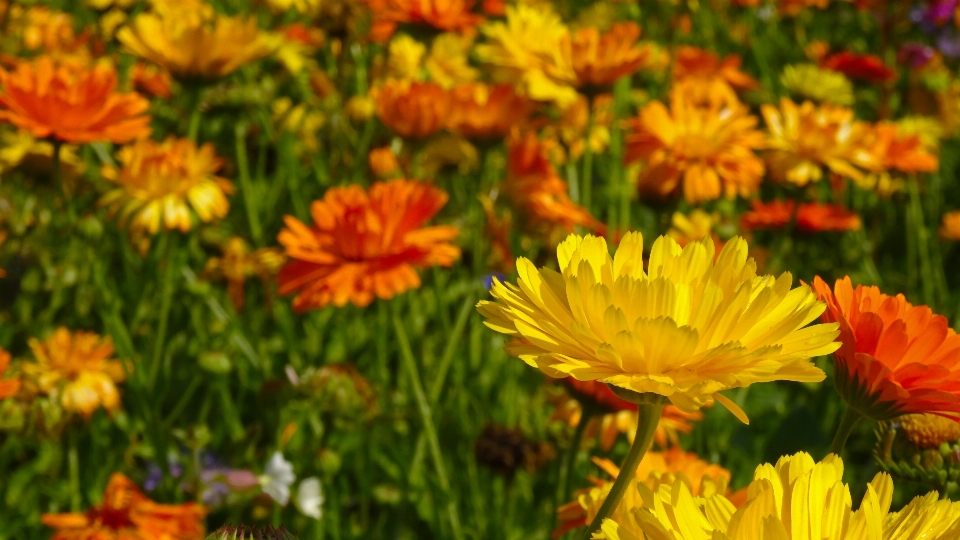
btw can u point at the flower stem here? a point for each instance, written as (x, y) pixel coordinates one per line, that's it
(650, 408)
(73, 463)
(586, 186)
(246, 185)
(169, 271)
(847, 423)
(585, 415)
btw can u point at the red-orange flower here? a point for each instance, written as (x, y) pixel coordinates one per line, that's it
(126, 514)
(893, 149)
(412, 109)
(481, 111)
(810, 217)
(365, 244)
(71, 104)
(151, 80)
(895, 358)
(8, 387)
(599, 60)
(705, 78)
(866, 67)
(446, 15)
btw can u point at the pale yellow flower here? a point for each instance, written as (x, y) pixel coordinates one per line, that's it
(811, 81)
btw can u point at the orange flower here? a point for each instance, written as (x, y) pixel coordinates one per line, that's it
(534, 186)
(895, 358)
(711, 150)
(810, 217)
(71, 104)
(238, 263)
(126, 514)
(383, 162)
(365, 244)
(446, 15)
(8, 387)
(929, 430)
(706, 79)
(599, 60)
(481, 111)
(794, 7)
(893, 149)
(950, 228)
(412, 109)
(151, 80)
(866, 67)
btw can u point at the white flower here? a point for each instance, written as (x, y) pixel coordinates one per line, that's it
(277, 478)
(309, 499)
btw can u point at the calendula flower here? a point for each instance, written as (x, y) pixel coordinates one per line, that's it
(805, 138)
(360, 108)
(574, 122)
(798, 495)
(404, 56)
(158, 184)
(193, 45)
(950, 227)
(606, 319)
(448, 63)
(365, 244)
(239, 263)
(711, 151)
(70, 104)
(895, 358)
(8, 387)
(310, 8)
(126, 514)
(707, 79)
(383, 162)
(599, 60)
(412, 109)
(896, 149)
(866, 67)
(151, 80)
(531, 48)
(77, 368)
(446, 15)
(21, 150)
(483, 112)
(809, 217)
(51, 32)
(295, 47)
(696, 225)
(929, 430)
(810, 81)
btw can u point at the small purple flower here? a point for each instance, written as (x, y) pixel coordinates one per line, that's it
(488, 279)
(915, 55)
(154, 477)
(949, 45)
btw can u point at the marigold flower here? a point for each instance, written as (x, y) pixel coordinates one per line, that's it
(606, 319)
(711, 151)
(866, 67)
(483, 112)
(365, 244)
(895, 358)
(77, 368)
(894, 149)
(159, 183)
(805, 138)
(239, 263)
(151, 80)
(796, 495)
(412, 109)
(126, 514)
(404, 57)
(383, 162)
(950, 228)
(695, 226)
(599, 60)
(8, 387)
(708, 79)
(51, 32)
(71, 104)
(929, 430)
(810, 81)
(190, 45)
(447, 63)
(809, 217)
(446, 15)
(532, 48)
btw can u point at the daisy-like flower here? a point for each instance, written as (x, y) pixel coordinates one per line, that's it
(532, 49)
(8, 387)
(445, 15)
(809, 217)
(193, 43)
(239, 263)
(71, 104)
(895, 358)
(277, 478)
(127, 514)
(448, 63)
(805, 138)
(866, 67)
(893, 148)
(412, 109)
(686, 329)
(697, 225)
(78, 368)
(929, 430)
(709, 150)
(797, 498)
(365, 244)
(600, 59)
(158, 184)
(151, 80)
(822, 85)
(950, 226)
(309, 499)
(706, 79)
(482, 112)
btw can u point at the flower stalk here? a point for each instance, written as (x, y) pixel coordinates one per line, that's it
(847, 423)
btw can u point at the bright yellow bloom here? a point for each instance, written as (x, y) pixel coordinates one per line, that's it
(811, 81)
(447, 62)
(76, 367)
(795, 500)
(929, 430)
(404, 57)
(159, 183)
(696, 225)
(533, 47)
(23, 150)
(689, 327)
(191, 44)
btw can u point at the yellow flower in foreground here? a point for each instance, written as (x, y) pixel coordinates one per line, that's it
(819, 84)
(796, 499)
(687, 328)
(78, 368)
(160, 182)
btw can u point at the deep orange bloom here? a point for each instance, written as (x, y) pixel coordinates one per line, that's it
(77, 105)
(950, 225)
(599, 60)
(8, 387)
(412, 109)
(810, 217)
(383, 162)
(151, 80)
(895, 358)
(126, 514)
(481, 111)
(365, 244)
(446, 15)
(865, 67)
(708, 79)
(903, 152)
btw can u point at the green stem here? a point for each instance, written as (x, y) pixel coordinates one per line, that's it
(73, 462)
(246, 185)
(436, 386)
(169, 271)
(847, 423)
(586, 188)
(194, 127)
(923, 243)
(650, 408)
(620, 190)
(426, 416)
(571, 462)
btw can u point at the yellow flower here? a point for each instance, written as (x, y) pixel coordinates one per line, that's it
(23, 150)
(304, 7)
(929, 430)
(811, 81)
(532, 47)
(403, 60)
(690, 228)
(689, 327)
(449, 150)
(796, 499)
(447, 62)
(301, 120)
(191, 43)
(159, 183)
(928, 129)
(76, 367)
